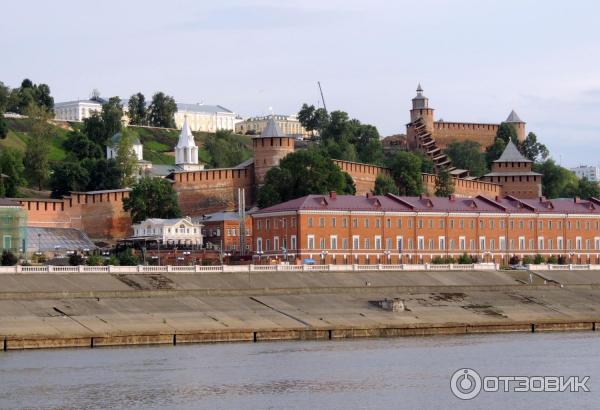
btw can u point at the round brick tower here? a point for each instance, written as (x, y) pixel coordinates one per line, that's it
(519, 125)
(269, 148)
(420, 109)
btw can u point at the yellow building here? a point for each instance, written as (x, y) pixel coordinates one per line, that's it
(288, 124)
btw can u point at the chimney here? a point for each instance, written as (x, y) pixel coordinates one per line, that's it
(333, 195)
(369, 195)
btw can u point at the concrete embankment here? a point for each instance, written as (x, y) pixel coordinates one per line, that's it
(94, 310)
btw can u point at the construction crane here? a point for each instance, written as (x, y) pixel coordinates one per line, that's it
(322, 98)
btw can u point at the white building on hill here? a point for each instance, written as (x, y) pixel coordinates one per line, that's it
(76, 110)
(180, 231)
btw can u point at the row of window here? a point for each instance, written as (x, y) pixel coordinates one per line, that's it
(277, 244)
(217, 232)
(276, 223)
(154, 231)
(452, 223)
(422, 243)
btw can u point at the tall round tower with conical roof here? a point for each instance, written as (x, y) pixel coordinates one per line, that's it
(420, 109)
(269, 148)
(519, 125)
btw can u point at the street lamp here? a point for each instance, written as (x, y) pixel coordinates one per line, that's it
(285, 255)
(388, 255)
(259, 253)
(323, 256)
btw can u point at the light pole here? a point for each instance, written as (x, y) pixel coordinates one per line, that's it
(388, 256)
(259, 253)
(323, 256)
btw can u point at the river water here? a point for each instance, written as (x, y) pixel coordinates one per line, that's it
(350, 374)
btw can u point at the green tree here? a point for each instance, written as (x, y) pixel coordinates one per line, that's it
(444, 186)
(556, 181)
(68, 176)
(532, 149)
(385, 184)
(8, 258)
(11, 165)
(112, 117)
(126, 158)
(587, 189)
(4, 94)
(3, 127)
(104, 174)
(302, 173)
(494, 151)
(506, 132)
(137, 109)
(406, 170)
(467, 155)
(27, 94)
(152, 198)
(225, 149)
(161, 112)
(313, 119)
(95, 131)
(36, 155)
(80, 147)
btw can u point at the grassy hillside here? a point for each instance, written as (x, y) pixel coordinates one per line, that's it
(158, 142)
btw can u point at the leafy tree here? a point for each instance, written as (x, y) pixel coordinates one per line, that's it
(79, 146)
(161, 112)
(94, 260)
(104, 174)
(556, 181)
(467, 155)
(532, 149)
(152, 198)
(137, 109)
(36, 155)
(3, 127)
(112, 116)
(587, 189)
(313, 119)
(506, 132)
(127, 258)
(444, 186)
(4, 94)
(126, 158)
(8, 258)
(385, 184)
(11, 165)
(94, 129)
(426, 162)
(302, 173)
(27, 94)
(494, 151)
(68, 176)
(406, 170)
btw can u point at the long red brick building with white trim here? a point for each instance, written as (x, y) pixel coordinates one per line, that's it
(372, 229)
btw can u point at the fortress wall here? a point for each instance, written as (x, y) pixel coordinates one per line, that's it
(364, 175)
(100, 214)
(212, 190)
(465, 187)
(446, 132)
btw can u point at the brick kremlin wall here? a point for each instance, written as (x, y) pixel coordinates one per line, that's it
(99, 214)
(212, 190)
(446, 132)
(464, 187)
(364, 175)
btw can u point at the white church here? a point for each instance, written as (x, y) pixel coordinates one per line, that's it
(186, 154)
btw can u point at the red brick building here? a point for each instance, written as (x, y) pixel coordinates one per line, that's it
(223, 229)
(393, 229)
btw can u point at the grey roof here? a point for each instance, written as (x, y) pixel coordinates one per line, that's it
(51, 239)
(512, 154)
(203, 108)
(117, 137)
(219, 217)
(272, 129)
(513, 117)
(419, 88)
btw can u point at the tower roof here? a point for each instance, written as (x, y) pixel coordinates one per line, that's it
(420, 95)
(272, 129)
(513, 117)
(512, 154)
(419, 88)
(186, 138)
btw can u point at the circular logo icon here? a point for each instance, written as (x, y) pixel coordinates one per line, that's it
(465, 384)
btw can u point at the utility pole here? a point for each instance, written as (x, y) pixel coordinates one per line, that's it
(242, 217)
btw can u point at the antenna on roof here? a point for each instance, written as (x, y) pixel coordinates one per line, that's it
(322, 98)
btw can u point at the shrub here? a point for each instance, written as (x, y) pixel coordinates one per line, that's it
(9, 258)
(75, 259)
(538, 259)
(113, 260)
(127, 258)
(442, 260)
(94, 260)
(514, 260)
(465, 259)
(552, 259)
(527, 260)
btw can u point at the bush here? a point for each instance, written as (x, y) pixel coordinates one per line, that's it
(75, 259)
(442, 260)
(9, 258)
(552, 259)
(538, 259)
(127, 258)
(527, 260)
(113, 260)
(514, 260)
(94, 260)
(465, 259)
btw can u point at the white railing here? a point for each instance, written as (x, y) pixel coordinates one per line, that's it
(550, 266)
(273, 268)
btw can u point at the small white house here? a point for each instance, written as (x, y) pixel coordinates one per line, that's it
(111, 150)
(180, 231)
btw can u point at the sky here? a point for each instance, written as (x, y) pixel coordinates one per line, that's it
(476, 60)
